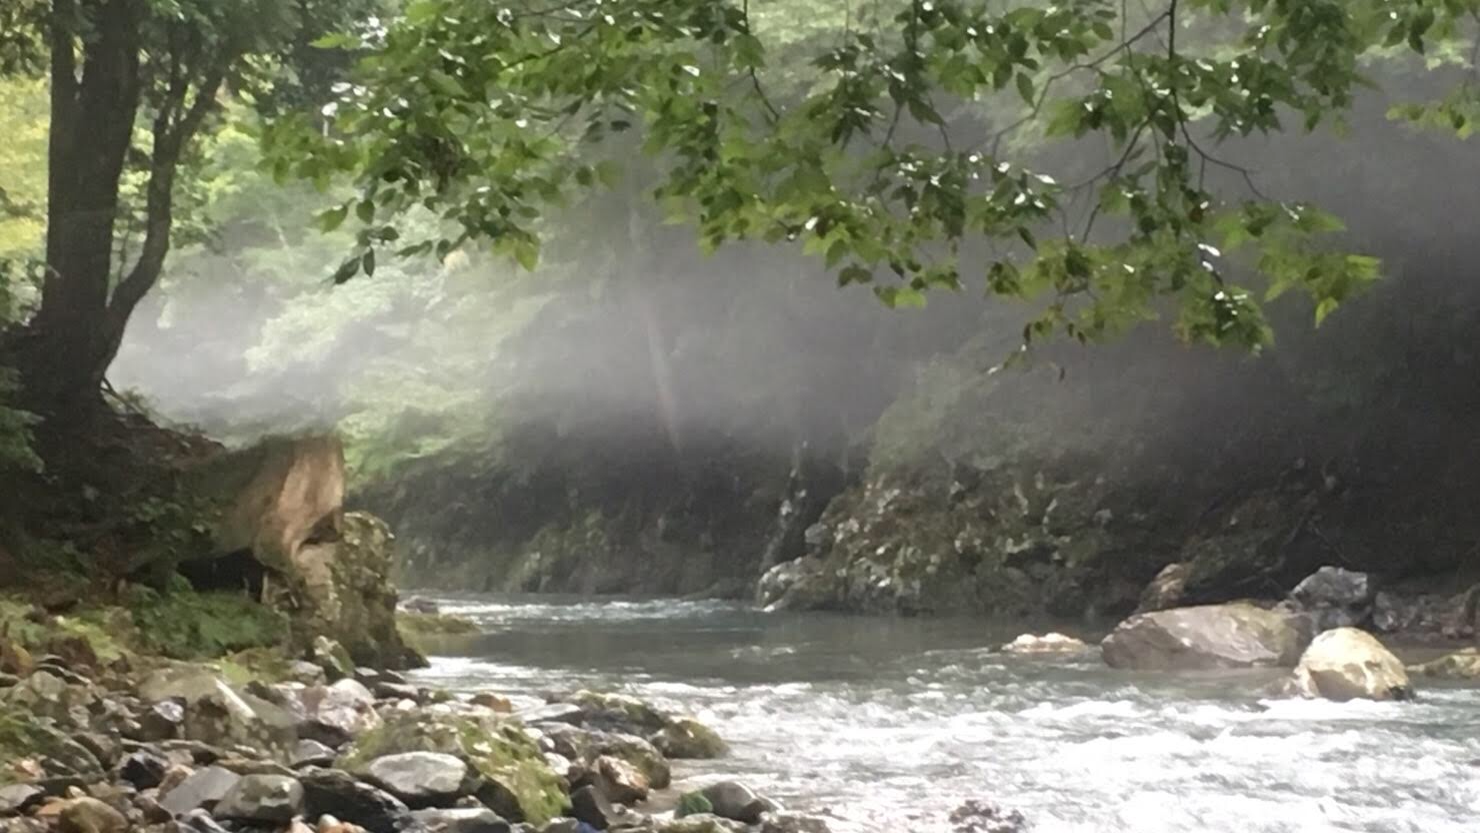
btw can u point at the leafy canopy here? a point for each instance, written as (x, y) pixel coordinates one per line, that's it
(897, 153)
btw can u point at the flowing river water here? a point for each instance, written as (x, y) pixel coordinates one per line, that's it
(885, 724)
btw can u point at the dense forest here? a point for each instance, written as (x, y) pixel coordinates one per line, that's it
(994, 308)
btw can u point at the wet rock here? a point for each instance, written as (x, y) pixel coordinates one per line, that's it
(461, 820)
(143, 769)
(1349, 664)
(312, 753)
(18, 798)
(1461, 665)
(732, 800)
(420, 779)
(1165, 591)
(801, 584)
(1335, 598)
(262, 798)
(687, 738)
(1049, 643)
(201, 789)
(620, 781)
(792, 823)
(977, 816)
(417, 604)
(1211, 636)
(585, 746)
(89, 815)
(588, 805)
(336, 793)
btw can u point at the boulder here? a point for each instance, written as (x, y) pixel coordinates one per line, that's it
(587, 804)
(732, 800)
(461, 820)
(201, 789)
(1461, 665)
(218, 714)
(1335, 598)
(1349, 664)
(336, 793)
(685, 737)
(1166, 590)
(1233, 635)
(421, 779)
(978, 816)
(512, 776)
(89, 815)
(1049, 643)
(274, 799)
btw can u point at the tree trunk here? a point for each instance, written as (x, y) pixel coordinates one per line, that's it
(92, 122)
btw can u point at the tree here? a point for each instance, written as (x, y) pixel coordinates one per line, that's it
(911, 148)
(132, 84)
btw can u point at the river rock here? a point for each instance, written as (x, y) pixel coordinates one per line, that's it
(262, 798)
(336, 714)
(1461, 665)
(312, 753)
(1167, 590)
(336, 793)
(1234, 635)
(732, 800)
(420, 779)
(461, 820)
(620, 781)
(18, 798)
(89, 815)
(143, 769)
(1348, 664)
(584, 746)
(587, 804)
(978, 816)
(1335, 598)
(201, 789)
(687, 738)
(1049, 643)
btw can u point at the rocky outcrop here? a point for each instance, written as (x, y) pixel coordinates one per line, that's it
(1335, 598)
(1207, 637)
(1460, 665)
(1349, 664)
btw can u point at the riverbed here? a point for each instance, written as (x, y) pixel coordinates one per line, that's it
(886, 724)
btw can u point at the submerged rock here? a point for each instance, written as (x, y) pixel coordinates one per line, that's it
(1211, 636)
(1461, 665)
(1349, 664)
(1049, 643)
(978, 816)
(1335, 598)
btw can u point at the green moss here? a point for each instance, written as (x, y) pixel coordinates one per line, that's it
(186, 625)
(498, 749)
(692, 804)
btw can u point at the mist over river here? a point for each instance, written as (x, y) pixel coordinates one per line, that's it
(886, 724)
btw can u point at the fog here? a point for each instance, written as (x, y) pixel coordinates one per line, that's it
(630, 341)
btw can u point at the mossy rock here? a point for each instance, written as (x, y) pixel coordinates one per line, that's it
(685, 737)
(426, 632)
(23, 737)
(519, 784)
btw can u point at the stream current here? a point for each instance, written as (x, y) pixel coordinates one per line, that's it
(886, 724)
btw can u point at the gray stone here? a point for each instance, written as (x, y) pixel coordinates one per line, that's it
(985, 817)
(336, 793)
(336, 714)
(1234, 635)
(419, 778)
(312, 753)
(262, 798)
(161, 721)
(590, 806)
(18, 798)
(143, 769)
(461, 820)
(201, 789)
(1335, 598)
(732, 800)
(1166, 590)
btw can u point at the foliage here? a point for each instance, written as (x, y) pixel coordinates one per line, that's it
(487, 115)
(183, 624)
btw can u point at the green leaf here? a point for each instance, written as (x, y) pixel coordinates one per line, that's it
(1025, 87)
(333, 218)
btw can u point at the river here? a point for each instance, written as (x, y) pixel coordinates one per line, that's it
(886, 724)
